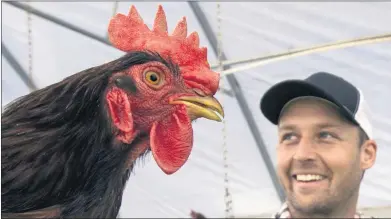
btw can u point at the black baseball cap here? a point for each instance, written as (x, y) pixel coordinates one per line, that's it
(334, 89)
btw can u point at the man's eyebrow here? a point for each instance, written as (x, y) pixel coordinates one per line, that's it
(287, 127)
(319, 126)
(328, 125)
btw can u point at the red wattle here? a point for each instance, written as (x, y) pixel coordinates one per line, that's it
(171, 141)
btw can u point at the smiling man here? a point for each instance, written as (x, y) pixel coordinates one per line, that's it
(325, 144)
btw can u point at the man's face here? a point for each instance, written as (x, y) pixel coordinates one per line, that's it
(320, 162)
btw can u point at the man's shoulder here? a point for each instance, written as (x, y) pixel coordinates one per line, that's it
(362, 216)
(284, 213)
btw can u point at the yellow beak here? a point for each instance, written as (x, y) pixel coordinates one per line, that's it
(201, 107)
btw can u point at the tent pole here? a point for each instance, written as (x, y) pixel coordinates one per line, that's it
(237, 90)
(58, 21)
(17, 67)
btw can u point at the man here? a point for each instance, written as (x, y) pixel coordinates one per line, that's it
(325, 144)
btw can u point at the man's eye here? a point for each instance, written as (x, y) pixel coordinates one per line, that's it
(325, 135)
(288, 137)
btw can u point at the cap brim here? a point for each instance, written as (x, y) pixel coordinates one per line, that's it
(278, 95)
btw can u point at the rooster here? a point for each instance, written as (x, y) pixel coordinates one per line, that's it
(196, 215)
(68, 149)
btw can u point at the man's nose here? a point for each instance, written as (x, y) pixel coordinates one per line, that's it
(305, 150)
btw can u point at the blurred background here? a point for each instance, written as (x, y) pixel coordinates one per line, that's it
(43, 42)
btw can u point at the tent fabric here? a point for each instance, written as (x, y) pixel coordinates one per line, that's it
(248, 30)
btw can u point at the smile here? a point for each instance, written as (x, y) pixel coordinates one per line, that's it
(308, 177)
(309, 182)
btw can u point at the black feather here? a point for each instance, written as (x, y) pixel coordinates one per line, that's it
(58, 146)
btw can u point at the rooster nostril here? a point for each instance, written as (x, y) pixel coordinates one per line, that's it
(199, 92)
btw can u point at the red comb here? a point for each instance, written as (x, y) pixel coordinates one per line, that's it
(129, 33)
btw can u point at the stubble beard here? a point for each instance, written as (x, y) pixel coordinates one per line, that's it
(317, 207)
(325, 205)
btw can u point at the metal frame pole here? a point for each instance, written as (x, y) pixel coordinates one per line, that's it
(17, 67)
(237, 90)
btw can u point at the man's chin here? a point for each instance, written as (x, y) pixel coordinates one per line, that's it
(308, 204)
(303, 202)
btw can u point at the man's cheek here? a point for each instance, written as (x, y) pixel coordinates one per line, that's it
(283, 176)
(283, 167)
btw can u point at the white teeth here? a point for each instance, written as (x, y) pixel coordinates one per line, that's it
(309, 177)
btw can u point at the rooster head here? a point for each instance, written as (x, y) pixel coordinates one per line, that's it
(171, 86)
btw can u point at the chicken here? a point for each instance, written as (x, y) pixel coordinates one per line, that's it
(196, 215)
(68, 149)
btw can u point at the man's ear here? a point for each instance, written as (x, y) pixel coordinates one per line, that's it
(368, 154)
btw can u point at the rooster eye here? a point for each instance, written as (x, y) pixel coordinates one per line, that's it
(153, 78)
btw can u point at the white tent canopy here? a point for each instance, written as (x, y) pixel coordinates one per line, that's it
(247, 30)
